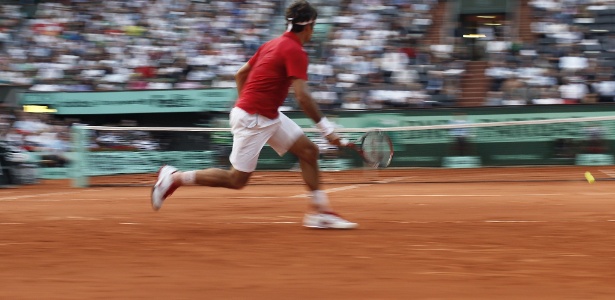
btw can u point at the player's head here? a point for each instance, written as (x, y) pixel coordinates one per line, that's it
(300, 15)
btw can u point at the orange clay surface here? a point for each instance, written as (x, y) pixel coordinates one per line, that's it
(437, 240)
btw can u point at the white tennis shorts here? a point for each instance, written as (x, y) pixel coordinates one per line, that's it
(252, 132)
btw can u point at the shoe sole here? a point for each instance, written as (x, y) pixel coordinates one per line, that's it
(153, 188)
(152, 200)
(334, 228)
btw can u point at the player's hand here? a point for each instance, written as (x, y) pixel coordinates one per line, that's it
(334, 139)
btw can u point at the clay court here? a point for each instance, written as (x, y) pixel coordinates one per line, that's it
(491, 233)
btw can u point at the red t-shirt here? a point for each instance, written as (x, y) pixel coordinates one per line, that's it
(274, 66)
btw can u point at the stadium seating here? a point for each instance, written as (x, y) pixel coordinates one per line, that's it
(83, 45)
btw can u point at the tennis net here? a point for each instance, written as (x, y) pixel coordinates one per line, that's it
(119, 156)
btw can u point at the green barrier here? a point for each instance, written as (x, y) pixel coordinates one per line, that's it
(461, 162)
(491, 146)
(494, 146)
(594, 159)
(54, 173)
(126, 102)
(127, 162)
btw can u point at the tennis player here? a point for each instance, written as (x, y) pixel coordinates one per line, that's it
(263, 84)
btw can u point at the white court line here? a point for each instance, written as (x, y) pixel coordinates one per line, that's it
(36, 197)
(492, 195)
(263, 222)
(242, 197)
(391, 180)
(495, 221)
(353, 186)
(11, 198)
(78, 218)
(609, 173)
(436, 195)
(597, 194)
(72, 199)
(333, 190)
(513, 221)
(10, 244)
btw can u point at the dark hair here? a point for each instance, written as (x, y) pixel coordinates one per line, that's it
(298, 12)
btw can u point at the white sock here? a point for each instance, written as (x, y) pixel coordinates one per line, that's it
(188, 178)
(320, 200)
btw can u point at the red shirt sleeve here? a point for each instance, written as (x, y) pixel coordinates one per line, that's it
(297, 64)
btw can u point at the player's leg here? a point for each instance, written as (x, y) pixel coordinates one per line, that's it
(307, 152)
(290, 138)
(214, 177)
(250, 134)
(323, 217)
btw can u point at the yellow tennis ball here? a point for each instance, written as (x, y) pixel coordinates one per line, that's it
(589, 177)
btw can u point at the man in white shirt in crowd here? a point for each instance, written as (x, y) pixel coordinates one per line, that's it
(605, 88)
(573, 91)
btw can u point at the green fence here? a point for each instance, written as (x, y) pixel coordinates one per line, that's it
(494, 146)
(126, 102)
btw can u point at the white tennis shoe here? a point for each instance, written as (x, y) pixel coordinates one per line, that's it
(327, 220)
(164, 187)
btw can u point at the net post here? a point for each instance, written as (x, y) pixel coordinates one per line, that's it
(78, 166)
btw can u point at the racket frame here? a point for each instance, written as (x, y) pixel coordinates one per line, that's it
(358, 147)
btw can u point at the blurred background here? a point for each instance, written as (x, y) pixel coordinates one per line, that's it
(366, 55)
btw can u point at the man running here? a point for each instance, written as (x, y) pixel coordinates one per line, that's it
(263, 84)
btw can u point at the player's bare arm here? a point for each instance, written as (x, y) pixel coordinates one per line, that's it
(241, 76)
(310, 108)
(305, 100)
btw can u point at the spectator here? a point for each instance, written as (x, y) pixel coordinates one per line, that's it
(548, 95)
(494, 98)
(498, 72)
(354, 101)
(54, 148)
(435, 82)
(605, 88)
(514, 92)
(573, 91)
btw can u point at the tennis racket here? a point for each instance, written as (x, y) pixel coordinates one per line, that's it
(375, 147)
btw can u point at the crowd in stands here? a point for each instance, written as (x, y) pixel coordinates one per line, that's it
(39, 134)
(47, 140)
(372, 59)
(571, 60)
(369, 55)
(84, 45)
(78, 45)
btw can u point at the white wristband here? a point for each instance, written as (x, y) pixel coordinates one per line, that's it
(325, 127)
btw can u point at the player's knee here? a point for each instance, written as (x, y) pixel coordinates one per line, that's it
(310, 152)
(305, 149)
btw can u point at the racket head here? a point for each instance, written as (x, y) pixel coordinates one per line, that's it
(376, 149)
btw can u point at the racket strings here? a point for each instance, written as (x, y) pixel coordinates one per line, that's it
(376, 149)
